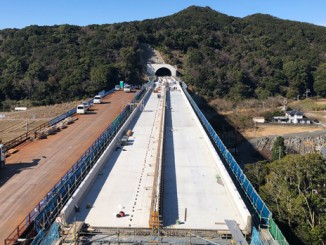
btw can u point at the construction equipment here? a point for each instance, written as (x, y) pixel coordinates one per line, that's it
(2, 156)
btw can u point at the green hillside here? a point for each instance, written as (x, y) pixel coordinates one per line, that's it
(221, 56)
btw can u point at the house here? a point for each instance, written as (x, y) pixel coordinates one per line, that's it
(293, 117)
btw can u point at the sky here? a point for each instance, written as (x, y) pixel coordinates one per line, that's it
(22, 13)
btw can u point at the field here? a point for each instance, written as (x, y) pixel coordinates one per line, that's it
(266, 130)
(240, 115)
(15, 123)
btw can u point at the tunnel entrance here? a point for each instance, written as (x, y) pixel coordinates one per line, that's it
(163, 72)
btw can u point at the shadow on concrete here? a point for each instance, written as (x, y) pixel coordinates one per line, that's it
(15, 168)
(170, 208)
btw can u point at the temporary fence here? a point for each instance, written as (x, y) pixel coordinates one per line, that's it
(255, 237)
(277, 233)
(51, 236)
(263, 215)
(43, 215)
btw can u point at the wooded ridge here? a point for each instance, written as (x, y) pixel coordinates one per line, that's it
(220, 56)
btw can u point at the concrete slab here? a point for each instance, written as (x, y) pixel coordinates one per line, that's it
(125, 182)
(194, 195)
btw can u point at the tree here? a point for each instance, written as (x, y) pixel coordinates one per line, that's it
(295, 193)
(297, 75)
(278, 149)
(320, 80)
(256, 173)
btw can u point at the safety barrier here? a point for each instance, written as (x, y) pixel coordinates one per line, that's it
(42, 216)
(61, 117)
(24, 137)
(259, 207)
(277, 233)
(255, 237)
(51, 236)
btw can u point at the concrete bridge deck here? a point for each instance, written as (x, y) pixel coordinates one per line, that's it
(195, 184)
(126, 179)
(198, 193)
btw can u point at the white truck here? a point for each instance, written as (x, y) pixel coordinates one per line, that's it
(2, 156)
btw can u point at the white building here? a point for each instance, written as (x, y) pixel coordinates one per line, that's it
(293, 116)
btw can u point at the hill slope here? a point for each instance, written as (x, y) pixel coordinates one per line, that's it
(256, 56)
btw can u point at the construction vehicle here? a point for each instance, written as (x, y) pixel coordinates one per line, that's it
(2, 156)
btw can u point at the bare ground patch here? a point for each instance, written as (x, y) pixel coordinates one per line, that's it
(267, 130)
(16, 123)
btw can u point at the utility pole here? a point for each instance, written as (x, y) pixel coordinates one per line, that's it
(279, 153)
(285, 102)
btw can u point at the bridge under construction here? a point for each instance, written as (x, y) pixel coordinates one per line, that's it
(158, 173)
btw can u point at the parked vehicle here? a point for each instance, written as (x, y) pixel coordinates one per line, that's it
(81, 109)
(127, 88)
(86, 104)
(117, 87)
(97, 99)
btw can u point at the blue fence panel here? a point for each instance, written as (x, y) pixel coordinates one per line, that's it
(257, 203)
(52, 235)
(61, 117)
(38, 238)
(255, 238)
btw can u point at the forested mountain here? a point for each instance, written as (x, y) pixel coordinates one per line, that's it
(59, 63)
(257, 56)
(221, 56)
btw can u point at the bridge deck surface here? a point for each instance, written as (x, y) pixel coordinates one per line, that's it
(190, 170)
(126, 179)
(38, 166)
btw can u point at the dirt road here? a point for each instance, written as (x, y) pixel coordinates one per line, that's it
(38, 166)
